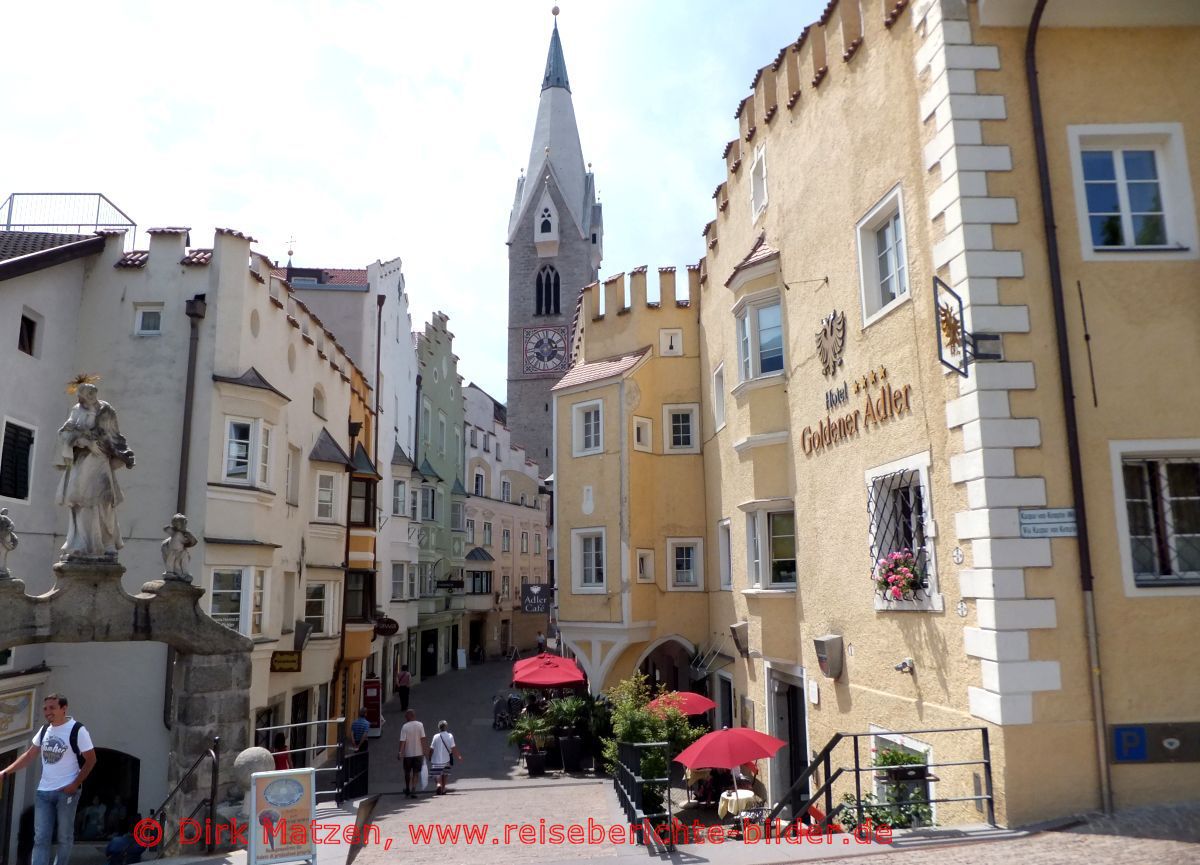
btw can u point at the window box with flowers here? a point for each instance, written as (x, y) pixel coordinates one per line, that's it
(898, 576)
(902, 533)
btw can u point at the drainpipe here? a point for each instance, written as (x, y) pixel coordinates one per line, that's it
(195, 309)
(1068, 393)
(338, 671)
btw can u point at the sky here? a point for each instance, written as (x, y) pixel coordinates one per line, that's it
(376, 130)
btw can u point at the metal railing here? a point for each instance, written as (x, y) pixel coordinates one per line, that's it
(797, 794)
(65, 213)
(631, 789)
(213, 756)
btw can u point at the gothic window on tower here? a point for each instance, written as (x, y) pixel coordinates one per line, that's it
(547, 291)
(547, 224)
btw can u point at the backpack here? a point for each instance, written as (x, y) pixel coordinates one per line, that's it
(73, 738)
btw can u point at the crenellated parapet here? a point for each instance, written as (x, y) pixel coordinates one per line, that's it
(618, 314)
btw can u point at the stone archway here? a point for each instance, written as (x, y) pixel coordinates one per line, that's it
(667, 662)
(211, 676)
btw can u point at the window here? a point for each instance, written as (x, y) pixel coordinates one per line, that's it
(456, 516)
(317, 603)
(679, 429)
(759, 336)
(362, 502)
(441, 434)
(471, 438)
(685, 558)
(547, 288)
(506, 585)
(360, 596)
(642, 430)
(505, 491)
(412, 583)
(16, 461)
(6, 659)
(882, 265)
(319, 402)
(547, 223)
(326, 498)
(645, 566)
(537, 544)
(238, 598)
(781, 528)
(724, 554)
(470, 531)
(524, 542)
(898, 506)
(587, 561)
(1162, 506)
(399, 498)
(1132, 190)
(479, 582)
(458, 448)
(428, 512)
(758, 183)
(487, 534)
(718, 397)
(771, 544)
(587, 427)
(426, 420)
(413, 504)
(292, 482)
(753, 554)
(147, 319)
(439, 504)
(399, 581)
(505, 540)
(244, 438)
(487, 443)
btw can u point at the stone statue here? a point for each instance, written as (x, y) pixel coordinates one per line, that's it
(175, 549)
(92, 449)
(8, 541)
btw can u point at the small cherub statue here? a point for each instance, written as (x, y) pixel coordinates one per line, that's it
(175, 549)
(8, 540)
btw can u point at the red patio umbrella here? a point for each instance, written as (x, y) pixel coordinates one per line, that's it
(724, 749)
(546, 671)
(687, 702)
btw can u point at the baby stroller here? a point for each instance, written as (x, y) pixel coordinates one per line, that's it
(506, 706)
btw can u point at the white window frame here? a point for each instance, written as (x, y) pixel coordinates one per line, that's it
(747, 341)
(870, 291)
(414, 591)
(399, 581)
(31, 469)
(426, 420)
(579, 413)
(399, 498)
(578, 536)
(329, 599)
(258, 452)
(697, 584)
(1119, 451)
(292, 480)
(470, 530)
(457, 513)
(1166, 140)
(506, 491)
(883, 740)
(505, 540)
(758, 543)
(487, 534)
(758, 183)
(725, 554)
(718, 397)
(479, 484)
(643, 429)
(691, 409)
(441, 433)
(931, 598)
(537, 543)
(643, 565)
(331, 517)
(139, 324)
(525, 543)
(252, 597)
(428, 504)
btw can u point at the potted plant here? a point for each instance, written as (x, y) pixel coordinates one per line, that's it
(901, 766)
(531, 731)
(898, 576)
(565, 715)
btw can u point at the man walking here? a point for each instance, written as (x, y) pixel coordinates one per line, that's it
(403, 683)
(413, 745)
(68, 757)
(359, 730)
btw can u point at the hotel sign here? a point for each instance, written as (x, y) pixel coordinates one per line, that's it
(880, 402)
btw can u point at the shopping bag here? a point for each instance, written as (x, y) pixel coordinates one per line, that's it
(424, 775)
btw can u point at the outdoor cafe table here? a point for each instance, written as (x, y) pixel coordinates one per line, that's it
(734, 802)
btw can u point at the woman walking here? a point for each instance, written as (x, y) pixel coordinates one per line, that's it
(442, 754)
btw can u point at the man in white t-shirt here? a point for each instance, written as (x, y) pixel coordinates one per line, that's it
(412, 752)
(68, 757)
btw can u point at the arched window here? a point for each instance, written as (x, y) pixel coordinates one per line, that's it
(318, 401)
(547, 225)
(547, 291)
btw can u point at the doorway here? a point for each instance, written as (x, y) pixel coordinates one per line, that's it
(725, 701)
(299, 736)
(788, 724)
(505, 636)
(109, 796)
(429, 656)
(7, 794)
(475, 638)
(454, 646)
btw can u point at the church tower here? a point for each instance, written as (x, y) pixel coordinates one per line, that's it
(555, 243)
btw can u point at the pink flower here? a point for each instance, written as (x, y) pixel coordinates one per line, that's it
(896, 593)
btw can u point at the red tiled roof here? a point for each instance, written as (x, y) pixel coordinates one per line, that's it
(335, 275)
(599, 370)
(171, 229)
(137, 258)
(235, 233)
(197, 257)
(761, 251)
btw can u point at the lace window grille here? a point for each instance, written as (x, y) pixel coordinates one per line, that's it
(896, 504)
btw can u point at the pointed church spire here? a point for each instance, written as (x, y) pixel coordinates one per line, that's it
(556, 65)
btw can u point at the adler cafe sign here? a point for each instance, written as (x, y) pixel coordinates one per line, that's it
(878, 400)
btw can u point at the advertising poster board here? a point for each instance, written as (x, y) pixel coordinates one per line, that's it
(283, 806)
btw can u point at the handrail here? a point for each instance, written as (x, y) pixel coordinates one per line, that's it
(160, 813)
(815, 763)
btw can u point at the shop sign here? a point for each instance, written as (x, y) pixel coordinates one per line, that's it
(16, 713)
(286, 662)
(283, 805)
(880, 402)
(449, 584)
(1155, 743)
(386, 627)
(535, 598)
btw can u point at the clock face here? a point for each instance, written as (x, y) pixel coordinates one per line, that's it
(545, 349)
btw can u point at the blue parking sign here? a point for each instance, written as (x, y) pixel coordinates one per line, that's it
(1129, 744)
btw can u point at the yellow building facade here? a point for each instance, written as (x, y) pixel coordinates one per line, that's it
(1052, 567)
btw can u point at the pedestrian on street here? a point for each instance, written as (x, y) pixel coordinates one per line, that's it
(359, 729)
(442, 754)
(63, 775)
(413, 746)
(279, 750)
(402, 683)
(541, 642)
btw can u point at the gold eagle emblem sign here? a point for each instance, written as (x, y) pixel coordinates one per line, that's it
(831, 340)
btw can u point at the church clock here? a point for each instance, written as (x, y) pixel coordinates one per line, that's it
(545, 350)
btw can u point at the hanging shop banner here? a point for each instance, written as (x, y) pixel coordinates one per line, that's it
(535, 598)
(283, 805)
